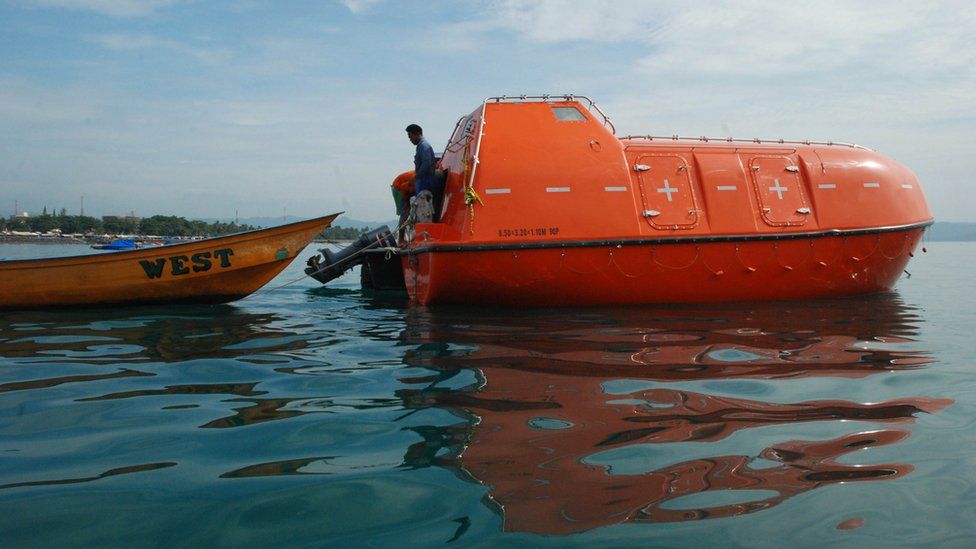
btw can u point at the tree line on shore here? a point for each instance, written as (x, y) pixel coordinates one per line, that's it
(168, 225)
(159, 225)
(342, 233)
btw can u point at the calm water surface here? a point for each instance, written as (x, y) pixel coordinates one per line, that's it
(331, 417)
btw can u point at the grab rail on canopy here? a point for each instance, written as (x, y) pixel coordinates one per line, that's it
(476, 158)
(569, 97)
(756, 140)
(453, 145)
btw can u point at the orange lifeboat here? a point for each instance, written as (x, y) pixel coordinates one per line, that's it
(544, 205)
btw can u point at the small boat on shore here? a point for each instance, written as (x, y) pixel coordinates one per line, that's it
(118, 244)
(544, 205)
(212, 270)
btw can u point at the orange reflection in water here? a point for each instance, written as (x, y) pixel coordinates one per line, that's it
(549, 480)
(549, 439)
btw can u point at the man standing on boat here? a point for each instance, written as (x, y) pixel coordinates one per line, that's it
(425, 182)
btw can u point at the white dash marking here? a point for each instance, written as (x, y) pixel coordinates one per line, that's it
(827, 186)
(500, 190)
(906, 186)
(872, 185)
(726, 187)
(615, 189)
(557, 189)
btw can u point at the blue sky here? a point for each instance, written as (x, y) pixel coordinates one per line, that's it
(203, 108)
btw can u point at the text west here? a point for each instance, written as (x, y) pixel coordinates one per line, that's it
(183, 264)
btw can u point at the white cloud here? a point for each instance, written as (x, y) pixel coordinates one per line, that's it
(567, 20)
(131, 41)
(22, 103)
(124, 42)
(893, 59)
(359, 6)
(114, 8)
(747, 37)
(278, 56)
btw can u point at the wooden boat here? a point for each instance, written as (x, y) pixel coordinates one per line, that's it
(212, 270)
(544, 205)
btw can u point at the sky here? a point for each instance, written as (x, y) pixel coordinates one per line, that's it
(211, 108)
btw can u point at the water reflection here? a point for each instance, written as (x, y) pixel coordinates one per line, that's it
(134, 343)
(565, 420)
(110, 473)
(160, 334)
(569, 419)
(55, 381)
(851, 338)
(150, 337)
(278, 468)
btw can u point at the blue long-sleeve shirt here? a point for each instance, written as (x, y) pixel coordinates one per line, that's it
(423, 163)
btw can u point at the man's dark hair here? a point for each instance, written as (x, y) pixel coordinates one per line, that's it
(413, 128)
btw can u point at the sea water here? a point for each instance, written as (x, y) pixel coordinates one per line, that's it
(328, 416)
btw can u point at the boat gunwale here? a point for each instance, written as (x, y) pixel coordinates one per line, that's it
(530, 245)
(124, 255)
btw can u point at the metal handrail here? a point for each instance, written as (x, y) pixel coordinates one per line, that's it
(545, 98)
(459, 140)
(755, 140)
(476, 158)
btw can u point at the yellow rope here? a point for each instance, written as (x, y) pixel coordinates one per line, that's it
(470, 197)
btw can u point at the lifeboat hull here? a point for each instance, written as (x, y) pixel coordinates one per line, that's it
(661, 271)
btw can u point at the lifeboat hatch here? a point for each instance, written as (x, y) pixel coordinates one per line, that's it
(780, 191)
(666, 191)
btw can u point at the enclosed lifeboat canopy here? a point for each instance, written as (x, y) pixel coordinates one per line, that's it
(545, 205)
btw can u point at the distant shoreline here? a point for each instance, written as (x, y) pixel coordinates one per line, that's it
(10, 239)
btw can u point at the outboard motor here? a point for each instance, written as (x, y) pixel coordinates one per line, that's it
(331, 265)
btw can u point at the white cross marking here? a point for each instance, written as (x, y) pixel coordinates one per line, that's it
(667, 188)
(778, 189)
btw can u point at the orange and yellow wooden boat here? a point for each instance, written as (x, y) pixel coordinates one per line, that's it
(544, 205)
(213, 270)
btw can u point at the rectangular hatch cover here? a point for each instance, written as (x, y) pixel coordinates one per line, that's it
(777, 184)
(667, 193)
